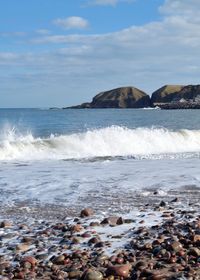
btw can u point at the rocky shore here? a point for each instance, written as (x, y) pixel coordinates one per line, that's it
(160, 240)
(179, 106)
(166, 97)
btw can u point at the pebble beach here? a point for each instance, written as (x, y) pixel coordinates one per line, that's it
(157, 240)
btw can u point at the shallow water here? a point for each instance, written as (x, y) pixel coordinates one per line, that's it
(73, 157)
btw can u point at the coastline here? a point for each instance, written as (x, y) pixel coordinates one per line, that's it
(168, 97)
(157, 239)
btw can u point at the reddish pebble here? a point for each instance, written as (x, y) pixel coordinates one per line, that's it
(119, 260)
(119, 270)
(30, 260)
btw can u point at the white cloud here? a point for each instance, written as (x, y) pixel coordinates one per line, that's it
(147, 56)
(106, 2)
(180, 7)
(189, 10)
(60, 39)
(72, 23)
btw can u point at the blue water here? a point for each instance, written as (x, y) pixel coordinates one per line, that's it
(44, 122)
(64, 156)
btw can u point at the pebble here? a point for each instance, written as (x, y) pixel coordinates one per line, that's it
(87, 212)
(119, 270)
(113, 220)
(75, 274)
(176, 246)
(196, 237)
(77, 228)
(5, 224)
(195, 251)
(30, 260)
(22, 247)
(93, 275)
(59, 259)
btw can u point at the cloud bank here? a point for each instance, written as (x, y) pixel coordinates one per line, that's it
(72, 23)
(79, 66)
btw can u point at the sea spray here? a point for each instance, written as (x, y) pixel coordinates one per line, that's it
(111, 141)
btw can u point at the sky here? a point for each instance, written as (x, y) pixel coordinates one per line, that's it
(57, 53)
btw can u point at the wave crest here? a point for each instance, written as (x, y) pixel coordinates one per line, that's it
(105, 142)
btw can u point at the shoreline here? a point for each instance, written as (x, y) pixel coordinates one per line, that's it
(110, 204)
(155, 240)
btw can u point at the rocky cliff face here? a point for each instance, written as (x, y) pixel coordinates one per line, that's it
(165, 94)
(175, 93)
(190, 93)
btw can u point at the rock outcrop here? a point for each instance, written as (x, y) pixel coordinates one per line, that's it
(165, 94)
(179, 105)
(190, 93)
(166, 97)
(124, 97)
(177, 97)
(85, 105)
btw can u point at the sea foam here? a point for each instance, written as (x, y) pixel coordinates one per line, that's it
(104, 142)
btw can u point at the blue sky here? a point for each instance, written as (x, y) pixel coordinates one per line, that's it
(63, 52)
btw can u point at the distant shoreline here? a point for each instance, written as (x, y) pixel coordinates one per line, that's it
(168, 97)
(166, 106)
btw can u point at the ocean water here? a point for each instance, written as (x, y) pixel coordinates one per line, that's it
(69, 157)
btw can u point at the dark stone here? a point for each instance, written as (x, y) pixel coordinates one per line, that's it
(163, 204)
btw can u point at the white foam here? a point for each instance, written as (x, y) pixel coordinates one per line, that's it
(105, 142)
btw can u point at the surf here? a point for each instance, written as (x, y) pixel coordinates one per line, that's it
(113, 141)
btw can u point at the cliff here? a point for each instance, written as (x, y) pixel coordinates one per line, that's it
(165, 94)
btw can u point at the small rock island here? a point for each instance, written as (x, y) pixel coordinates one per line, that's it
(166, 97)
(123, 97)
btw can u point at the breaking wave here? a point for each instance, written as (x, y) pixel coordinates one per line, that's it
(113, 141)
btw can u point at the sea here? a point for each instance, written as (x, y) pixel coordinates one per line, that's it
(97, 157)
